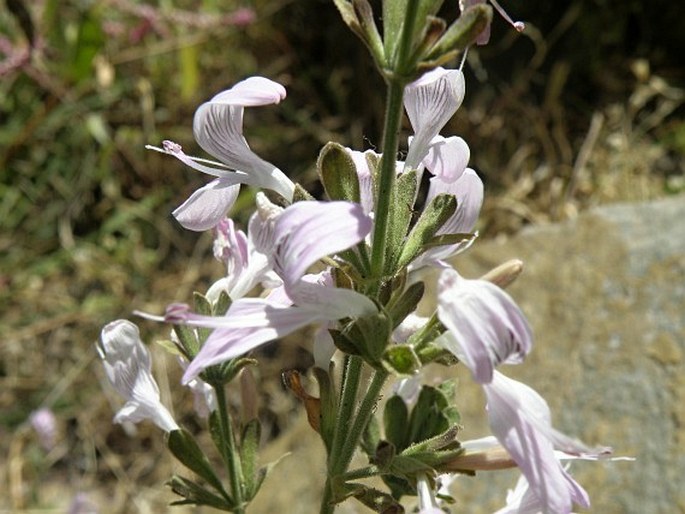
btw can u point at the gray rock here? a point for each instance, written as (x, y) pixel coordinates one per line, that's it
(606, 297)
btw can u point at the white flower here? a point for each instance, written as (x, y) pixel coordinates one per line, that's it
(128, 367)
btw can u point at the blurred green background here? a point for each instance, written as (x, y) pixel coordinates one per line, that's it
(584, 108)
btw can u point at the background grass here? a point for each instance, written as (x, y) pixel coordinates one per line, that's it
(585, 108)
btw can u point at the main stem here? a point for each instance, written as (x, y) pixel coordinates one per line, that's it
(398, 69)
(232, 463)
(386, 181)
(396, 78)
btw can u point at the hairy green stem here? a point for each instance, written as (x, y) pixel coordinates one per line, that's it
(396, 79)
(361, 420)
(231, 457)
(386, 180)
(348, 397)
(342, 452)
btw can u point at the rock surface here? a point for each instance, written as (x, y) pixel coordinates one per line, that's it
(605, 295)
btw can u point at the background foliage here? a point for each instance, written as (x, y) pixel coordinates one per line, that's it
(585, 108)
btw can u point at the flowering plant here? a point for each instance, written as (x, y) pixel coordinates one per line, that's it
(348, 266)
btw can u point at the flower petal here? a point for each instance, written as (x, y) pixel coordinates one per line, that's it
(307, 231)
(469, 192)
(252, 92)
(332, 302)
(218, 128)
(365, 176)
(430, 102)
(485, 326)
(447, 157)
(128, 368)
(248, 324)
(516, 413)
(207, 206)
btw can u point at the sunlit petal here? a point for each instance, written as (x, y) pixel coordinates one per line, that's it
(207, 206)
(430, 102)
(485, 326)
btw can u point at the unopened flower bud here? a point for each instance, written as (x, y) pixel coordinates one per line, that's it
(505, 273)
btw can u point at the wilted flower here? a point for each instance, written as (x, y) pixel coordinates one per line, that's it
(129, 369)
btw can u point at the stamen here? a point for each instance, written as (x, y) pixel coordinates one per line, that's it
(171, 146)
(518, 25)
(463, 59)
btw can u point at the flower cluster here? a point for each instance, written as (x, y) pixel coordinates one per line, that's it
(347, 266)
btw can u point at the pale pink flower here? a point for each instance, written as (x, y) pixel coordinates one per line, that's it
(484, 326)
(297, 237)
(521, 420)
(218, 128)
(430, 102)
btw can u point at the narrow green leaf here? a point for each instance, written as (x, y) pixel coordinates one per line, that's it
(446, 440)
(188, 58)
(215, 431)
(463, 31)
(195, 494)
(230, 369)
(349, 17)
(204, 307)
(188, 339)
(408, 466)
(370, 335)
(368, 27)
(371, 437)
(434, 216)
(400, 307)
(401, 212)
(184, 447)
(201, 304)
(394, 12)
(249, 451)
(301, 194)
(395, 422)
(329, 405)
(222, 304)
(426, 419)
(89, 42)
(343, 343)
